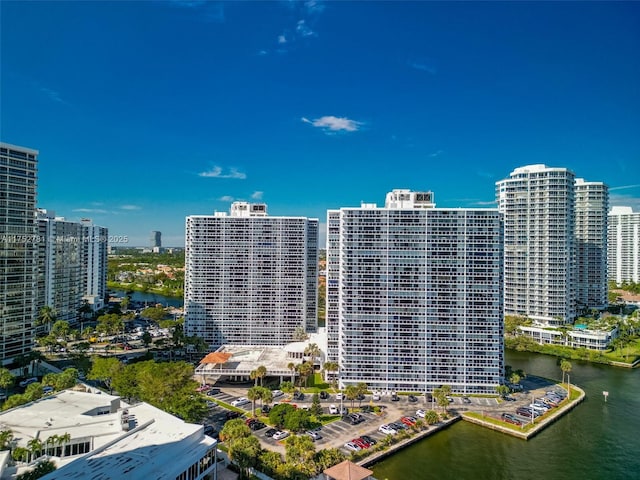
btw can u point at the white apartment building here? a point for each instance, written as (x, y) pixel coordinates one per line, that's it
(250, 278)
(94, 263)
(18, 241)
(109, 439)
(592, 205)
(419, 295)
(72, 264)
(538, 204)
(624, 245)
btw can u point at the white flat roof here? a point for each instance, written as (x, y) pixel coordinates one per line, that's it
(159, 446)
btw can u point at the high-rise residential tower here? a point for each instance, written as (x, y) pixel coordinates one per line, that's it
(592, 205)
(538, 204)
(419, 295)
(94, 263)
(250, 278)
(624, 245)
(18, 247)
(155, 239)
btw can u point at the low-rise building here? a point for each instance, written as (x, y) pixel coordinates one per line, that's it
(98, 436)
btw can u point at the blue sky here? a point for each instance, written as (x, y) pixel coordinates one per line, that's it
(145, 112)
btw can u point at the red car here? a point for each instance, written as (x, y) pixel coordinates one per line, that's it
(361, 443)
(409, 421)
(203, 388)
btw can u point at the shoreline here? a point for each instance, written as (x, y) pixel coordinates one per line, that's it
(379, 456)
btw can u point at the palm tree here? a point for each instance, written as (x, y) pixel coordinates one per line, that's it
(35, 447)
(261, 372)
(351, 392)
(47, 317)
(266, 397)
(63, 440)
(253, 375)
(52, 440)
(565, 366)
(254, 394)
(330, 367)
(5, 438)
(6, 379)
(305, 370)
(312, 351)
(362, 389)
(431, 417)
(292, 367)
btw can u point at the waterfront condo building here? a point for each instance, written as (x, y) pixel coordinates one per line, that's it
(250, 278)
(624, 245)
(592, 205)
(538, 204)
(72, 265)
(414, 295)
(18, 260)
(555, 244)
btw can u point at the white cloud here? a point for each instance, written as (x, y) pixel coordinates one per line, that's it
(303, 29)
(130, 207)
(257, 195)
(226, 198)
(435, 154)
(217, 172)
(89, 210)
(282, 39)
(624, 187)
(482, 204)
(330, 123)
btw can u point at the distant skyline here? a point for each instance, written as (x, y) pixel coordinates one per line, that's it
(146, 112)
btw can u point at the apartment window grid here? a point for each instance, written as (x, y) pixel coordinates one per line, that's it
(248, 279)
(396, 292)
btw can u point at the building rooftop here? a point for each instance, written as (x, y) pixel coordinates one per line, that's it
(243, 359)
(126, 441)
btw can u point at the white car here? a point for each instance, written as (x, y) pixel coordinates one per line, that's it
(240, 401)
(387, 430)
(339, 396)
(279, 435)
(277, 393)
(352, 446)
(333, 410)
(376, 396)
(420, 413)
(314, 435)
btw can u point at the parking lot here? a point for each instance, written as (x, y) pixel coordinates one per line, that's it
(336, 434)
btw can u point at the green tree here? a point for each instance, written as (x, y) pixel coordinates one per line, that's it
(245, 452)
(304, 370)
(441, 395)
(287, 387)
(431, 417)
(515, 378)
(316, 408)
(292, 367)
(5, 439)
(501, 390)
(329, 457)
(297, 420)
(157, 314)
(110, 324)
(565, 366)
(299, 449)
(47, 316)
(261, 372)
(362, 390)
(105, 370)
(6, 379)
(313, 351)
(234, 430)
(35, 447)
(20, 454)
(351, 392)
(278, 414)
(253, 375)
(254, 394)
(147, 339)
(41, 469)
(266, 395)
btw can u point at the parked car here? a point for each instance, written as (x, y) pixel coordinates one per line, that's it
(277, 393)
(249, 421)
(368, 439)
(387, 430)
(410, 421)
(28, 381)
(47, 390)
(352, 446)
(240, 401)
(314, 435)
(213, 391)
(395, 398)
(398, 426)
(420, 413)
(271, 432)
(340, 396)
(280, 435)
(333, 410)
(354, 418)
(412, 398)
(324, 395)
(298, 396)
(257, 426)
(203, 388)
(466, 400)
(265, 409)
(361, 443)
(375, 397)
(509, 418)
(232, 414)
